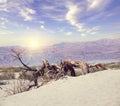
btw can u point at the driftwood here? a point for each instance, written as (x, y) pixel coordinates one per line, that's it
(41, 72)
(68, 65)
(17, 55)
(36, 72)
(98, 66)
(65, 66)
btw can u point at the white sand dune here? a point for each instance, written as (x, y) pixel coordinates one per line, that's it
(95, 89)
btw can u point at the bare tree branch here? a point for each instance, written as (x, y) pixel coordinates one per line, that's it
(17, 55)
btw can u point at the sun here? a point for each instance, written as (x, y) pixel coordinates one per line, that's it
(33, 44)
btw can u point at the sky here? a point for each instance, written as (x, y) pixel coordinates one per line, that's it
(45, 22)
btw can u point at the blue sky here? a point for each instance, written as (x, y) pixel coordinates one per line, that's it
(54, 21)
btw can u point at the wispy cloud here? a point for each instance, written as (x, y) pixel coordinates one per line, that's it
(93, 30)
(97, 4)
(41, 22)
(5, 32)
(69, 33)
(3, 7)
(3, 1)
(54, 10)
(42, 27)
(83, 34)
(15, 6)
(72, 15)
(77, 11)
(26, 13)
(3, 22)
(48, 7)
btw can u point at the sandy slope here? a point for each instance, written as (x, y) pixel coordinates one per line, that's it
(96, 89)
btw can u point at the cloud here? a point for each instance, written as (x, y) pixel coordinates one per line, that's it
(73, 11)
(3, 22)
(79, 12)
(97, 9)
(3, 1)
(30, 11)
(69, 33)
(72, 16)
(54, 10)
(26, 14)
(41, 22)
(5, 32)
(42, 27)
(3, 7)
(97, 4)
(21, 7)
(48, 7)
(83, 34)
(93, 30)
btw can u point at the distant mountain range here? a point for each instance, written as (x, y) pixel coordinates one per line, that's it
(105, 50)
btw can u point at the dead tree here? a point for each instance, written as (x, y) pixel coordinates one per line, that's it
(65, 66)
(98, 66)
(17, 55)
(53, 67)
(36, 72)
(69, 65)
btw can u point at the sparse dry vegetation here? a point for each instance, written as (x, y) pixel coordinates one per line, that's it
(19, 85)
(113, 65)
(7, 75)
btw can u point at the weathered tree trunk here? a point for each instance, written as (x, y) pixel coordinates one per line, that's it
(98, 66)
(71, 64)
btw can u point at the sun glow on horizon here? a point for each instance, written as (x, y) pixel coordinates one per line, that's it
(33, 43)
